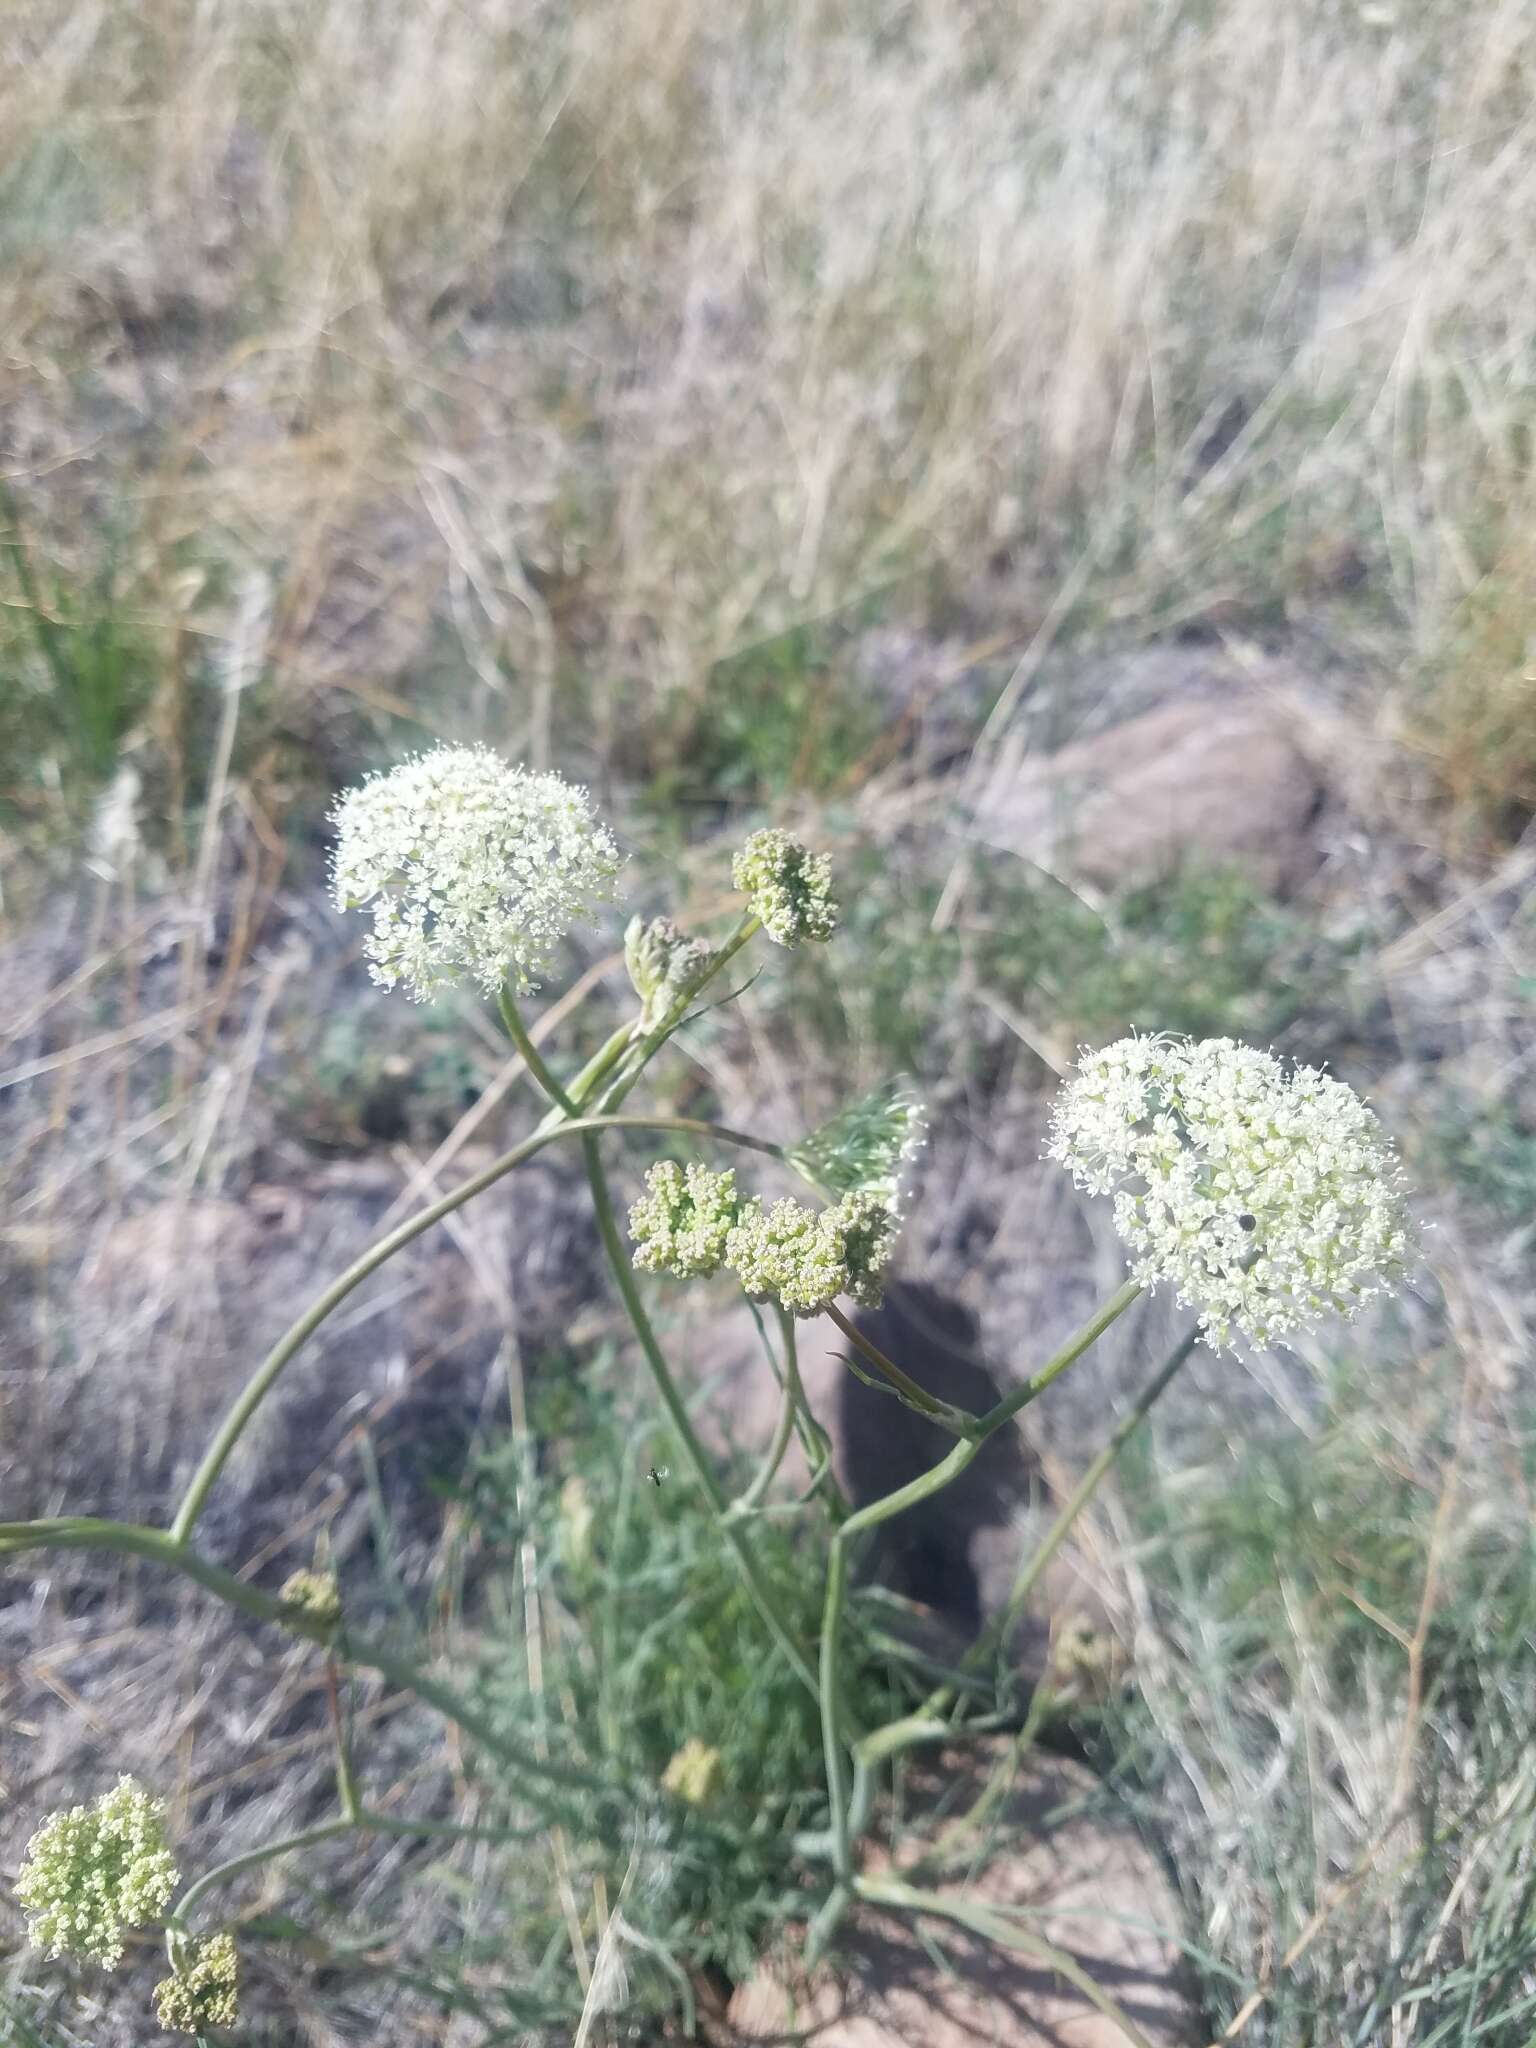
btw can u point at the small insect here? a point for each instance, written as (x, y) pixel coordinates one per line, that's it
(657, 1473)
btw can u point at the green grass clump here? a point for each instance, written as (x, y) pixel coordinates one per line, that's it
(1490, 1151)
(1333, 1718)
(649, 1658)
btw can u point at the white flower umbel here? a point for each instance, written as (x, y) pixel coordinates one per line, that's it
(472, 868)
(1268, 1199)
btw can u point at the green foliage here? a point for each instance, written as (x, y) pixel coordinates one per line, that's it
(1204, 952)
(783, 718)
(76, 671)
(1491, 1151)
(1282, 1720)
(651, 1651)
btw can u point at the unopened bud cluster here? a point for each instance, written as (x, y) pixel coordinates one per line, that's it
(1268, 1199)
(696, 1773)
(788, 887)
(691, 1222)
(93, 1872)
(664, 964)
(317, 1593)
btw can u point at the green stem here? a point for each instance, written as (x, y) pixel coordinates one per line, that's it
(1054, 1367)
(918, 1727)
(920, 1489)
(748, 1502)
(261, 1381)
(998, 1628)
(647, 1047)
(532, 1058)
(128, 1539)
(829, 1695)
(269, 1852)
(672, 1401)
(958, 1421)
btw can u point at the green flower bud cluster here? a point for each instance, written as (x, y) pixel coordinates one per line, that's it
(663, 962)
(205, 1991)
(316, 1592)
(804, 1258)
(681, 1224)
(695, 1773)
(691, 1222)
(95, 1871)
(788, 887)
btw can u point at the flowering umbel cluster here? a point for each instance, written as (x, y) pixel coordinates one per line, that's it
(205, 1990)
(95, 1871)
(1268, 1199)
(691, 1222)
(788, 887)
(471, 867)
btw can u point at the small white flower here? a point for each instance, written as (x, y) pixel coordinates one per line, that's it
(472, 867)
(1268, 1199)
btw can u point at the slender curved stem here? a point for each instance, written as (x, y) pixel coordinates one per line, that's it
(920, 1725)
(751, 1499)
(647, 1047)
(1056, 1365)
(672, 1401)
(269, 1852)
(958, 1421)
(533, 1059)
(830, 1699)
(128, 1539)
(879, 1741)
(1024, 1584)
(260, 1383)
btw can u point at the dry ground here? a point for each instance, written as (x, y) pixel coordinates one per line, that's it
(830, 410)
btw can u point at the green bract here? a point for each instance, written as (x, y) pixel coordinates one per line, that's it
(863, 1149)
(663, 963)
(681, 1225)
(788, 887)
(205, 1991)
(95, 1871)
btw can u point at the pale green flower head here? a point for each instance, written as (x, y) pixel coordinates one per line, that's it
(205, 1991)
(663, 962)
(681, 1224)
(1268, 1199)
(805, 1258)
(696, 1773)
(789, 887)
(317, 1593)
(95, 1871)
(474, 869)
